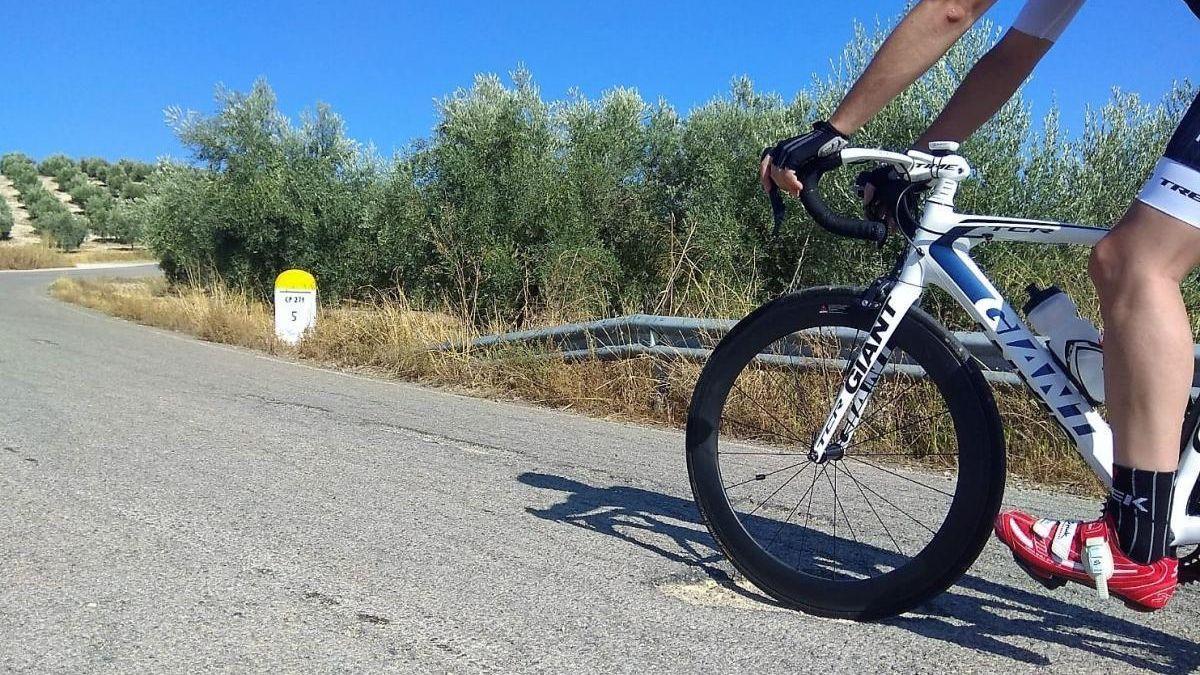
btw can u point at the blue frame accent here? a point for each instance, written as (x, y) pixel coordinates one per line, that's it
(949, 261)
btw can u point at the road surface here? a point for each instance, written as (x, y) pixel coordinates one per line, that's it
(172, 505)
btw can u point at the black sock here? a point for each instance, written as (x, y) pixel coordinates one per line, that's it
(1140, 504)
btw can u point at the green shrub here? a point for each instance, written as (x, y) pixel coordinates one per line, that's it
(54, 164)
(6, 220)
(135, 171)
(67, 230)
(271, 196)
(84, 192)
(116, 182)
(126, 223)
(93, 166)
(27, 181)
(98, 208)
(40, 203)
(65, 174)
(12, 162)
(134, 190)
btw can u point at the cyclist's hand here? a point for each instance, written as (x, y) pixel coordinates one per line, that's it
(780, 164)
(884, 193)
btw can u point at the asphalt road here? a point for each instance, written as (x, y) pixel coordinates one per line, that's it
(172, 505)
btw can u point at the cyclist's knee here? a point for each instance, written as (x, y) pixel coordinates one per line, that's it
(1106, 264)
(1127, 261)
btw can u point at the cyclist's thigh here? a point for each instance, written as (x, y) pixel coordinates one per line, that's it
(1174, 187)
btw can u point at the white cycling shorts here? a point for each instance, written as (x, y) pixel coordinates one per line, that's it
(1174, 187)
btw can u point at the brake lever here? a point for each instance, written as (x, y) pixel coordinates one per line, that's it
(778, 208)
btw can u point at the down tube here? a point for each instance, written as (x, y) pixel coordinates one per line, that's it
(955, 272)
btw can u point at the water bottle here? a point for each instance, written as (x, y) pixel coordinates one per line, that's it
(1073, 339)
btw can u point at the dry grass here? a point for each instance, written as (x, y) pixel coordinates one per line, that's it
(40, 256)
(31, 257)
(391, 338)
(218, 316)
(109, 255)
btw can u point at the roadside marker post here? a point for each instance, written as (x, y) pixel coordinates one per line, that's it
(295, 305)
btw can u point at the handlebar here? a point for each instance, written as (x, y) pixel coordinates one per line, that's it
(810, 196)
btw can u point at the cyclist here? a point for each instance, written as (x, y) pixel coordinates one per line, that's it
(1137, 270)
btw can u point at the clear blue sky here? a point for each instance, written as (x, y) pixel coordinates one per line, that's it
(92, 78)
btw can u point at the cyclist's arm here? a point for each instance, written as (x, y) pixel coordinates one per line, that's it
(998, 74)
(923, 37)
(987, 87)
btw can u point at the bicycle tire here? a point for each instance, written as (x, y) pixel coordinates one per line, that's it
(979, 461)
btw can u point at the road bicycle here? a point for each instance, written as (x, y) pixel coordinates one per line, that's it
(861, 387)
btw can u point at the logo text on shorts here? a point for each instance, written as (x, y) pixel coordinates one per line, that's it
(1176, 187)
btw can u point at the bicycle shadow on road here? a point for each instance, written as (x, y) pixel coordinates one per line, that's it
(671, 527)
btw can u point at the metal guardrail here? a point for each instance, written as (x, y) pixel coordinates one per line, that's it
(692, 339)
(676, 337)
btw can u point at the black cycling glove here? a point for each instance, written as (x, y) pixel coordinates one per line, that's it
(796, 152)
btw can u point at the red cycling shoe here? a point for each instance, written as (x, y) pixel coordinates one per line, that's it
(1054, 552)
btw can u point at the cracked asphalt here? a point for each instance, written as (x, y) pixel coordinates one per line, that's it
(168, 505)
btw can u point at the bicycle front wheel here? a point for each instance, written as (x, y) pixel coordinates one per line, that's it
(893, 521)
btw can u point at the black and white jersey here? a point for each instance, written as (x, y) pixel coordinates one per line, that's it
(1174, 187)
(1047, 19)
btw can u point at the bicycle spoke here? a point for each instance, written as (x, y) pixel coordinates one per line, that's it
(808, 509)
(771, 454)
(892, 401)
(911, 480)
(755, 427)
(867, 499)
(825, 371)
(772, 495)
(792, 513)
(769, 414)
(896, 430)
(903, 454)
(808, 517)
(838, 503)
(763, 476)
(893, 505)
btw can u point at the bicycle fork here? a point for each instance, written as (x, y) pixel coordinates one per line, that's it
(870, 359)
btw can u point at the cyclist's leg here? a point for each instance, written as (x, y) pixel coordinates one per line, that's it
(1137, 270)
(1148, 361)
(1148, 354)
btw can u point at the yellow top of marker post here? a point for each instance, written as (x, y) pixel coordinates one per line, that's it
(295, 280)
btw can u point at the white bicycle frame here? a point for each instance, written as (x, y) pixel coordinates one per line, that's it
(939, 254)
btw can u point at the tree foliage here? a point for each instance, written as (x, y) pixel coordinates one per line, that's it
(517, 206)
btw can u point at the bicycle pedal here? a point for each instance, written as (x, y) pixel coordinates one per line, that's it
(1050, 583)
(1189, 568)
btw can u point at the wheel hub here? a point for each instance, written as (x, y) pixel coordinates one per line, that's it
(833, 453)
